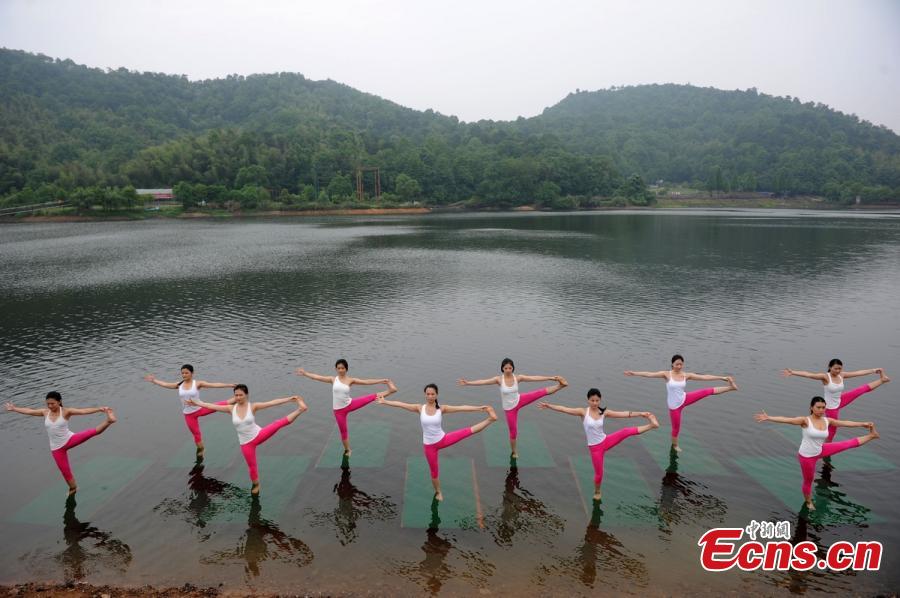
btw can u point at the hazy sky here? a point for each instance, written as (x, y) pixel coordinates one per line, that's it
(495, 60)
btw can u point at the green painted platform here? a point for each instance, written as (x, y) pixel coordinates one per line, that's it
(532, 449)
(219, 439)
(98, 479)
(369, 441)
(279, 478)
(782, 478)
(460, 508)
(627, 499)
(694, 458)
(861, 458)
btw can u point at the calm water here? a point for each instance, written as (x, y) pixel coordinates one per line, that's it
(89, 308)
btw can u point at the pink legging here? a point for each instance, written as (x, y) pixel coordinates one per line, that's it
(689, 398)
(193, 425)
(512, 415)
(598, 451)
(431, 450)
(61, 456)
(846, 398)
(340, 415)
(249, 449)
(808, 464)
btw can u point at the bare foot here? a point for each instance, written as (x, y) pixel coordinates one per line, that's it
(438, 496)
(200, 450)
(652, 419)
(731, 383)
(491, 413)
(810, 505)
(347, 452)
(561, 381)
(110, 415)
(597, 496)
(874, 433)
(255, 489)
(301, 404)
(676, 448)
(514, 455)
(72, 490)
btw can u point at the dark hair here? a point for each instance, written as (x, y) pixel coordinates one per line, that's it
(676, 357)
(504, 362)
(434, 386)
(187, 367)
(342, 361)
(55, 396)
(835, 362)
(814, 401)
(595, 392)
(242, 387)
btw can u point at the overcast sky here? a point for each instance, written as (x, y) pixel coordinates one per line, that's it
(497, 60)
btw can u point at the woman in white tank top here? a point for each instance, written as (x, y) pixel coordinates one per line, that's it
(512, 401)
(341, 403)
(189, 396)
(56, 421)
(250, 435)
(833, 387)
(433, 436)
(814, 443)
(592, 418)
(676, 397)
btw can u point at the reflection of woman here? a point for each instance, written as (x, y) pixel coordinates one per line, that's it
(512, 401)
(813, 445)
(433, 436)
(592, 417)
(251, 435)
(833, 387)
(189, 389)
(340, 396)
(56, 420)
(677, 399)
(78, 560)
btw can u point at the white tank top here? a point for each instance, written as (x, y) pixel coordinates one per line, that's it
(432, 431)
(509, 394)
(593, 428)
(674, 392)
(811, 445)
(58, 430)
(340, 394)
(246, 428)
(191, 393)
(832, 392)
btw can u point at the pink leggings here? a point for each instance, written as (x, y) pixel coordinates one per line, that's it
(689, 398)
(598, 451)
(249, 449)
(846, 398)
(340, 415)
(808, 464)
(512, 415)
(431, 450)
(193, 425)
(61, 456)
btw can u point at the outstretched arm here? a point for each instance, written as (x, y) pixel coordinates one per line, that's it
(625, 414)
(524, 378)
(660, 374)
(408, 406)
(858, 373)
(152, 378)
(202, 384)
(576, 411)
(691, 376)
(316, 377)
(24, 410)
(849, 424)
(765, 417)
(368, 381)
(273, 403)
(464, 408)
(485, 382)
(788, 372)
(213, 406)
(83, 410)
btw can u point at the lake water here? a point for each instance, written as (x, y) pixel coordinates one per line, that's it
(89, 308)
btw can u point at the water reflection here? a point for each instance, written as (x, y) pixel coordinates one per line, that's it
(262, 541)
(437, 567)
(205, 498)
(353, 506)
(87, 550)
(522, 512)
(681, 501)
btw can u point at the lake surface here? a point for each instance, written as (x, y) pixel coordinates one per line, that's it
(89, 308)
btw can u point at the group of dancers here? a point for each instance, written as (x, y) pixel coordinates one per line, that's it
(818, 427)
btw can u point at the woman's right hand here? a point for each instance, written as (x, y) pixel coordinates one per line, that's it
(462, 382)
(9, 406)
(628, 373)
(787, 372)
(300, 372)
(761, 417)
(150, 378)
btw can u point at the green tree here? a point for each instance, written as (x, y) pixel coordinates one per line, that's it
(407, 187)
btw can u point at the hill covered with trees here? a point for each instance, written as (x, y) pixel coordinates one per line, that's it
(67, 130)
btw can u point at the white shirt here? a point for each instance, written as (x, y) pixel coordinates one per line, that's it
(340, 394)
(509, 395)
(675, 392)
(246, 428)
(832, 392)
(593, 428)
(192, 393)
(57, 430)
(811, 445)
(432, 430)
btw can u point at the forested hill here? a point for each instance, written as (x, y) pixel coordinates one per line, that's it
(750, 140)
(64, 126)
